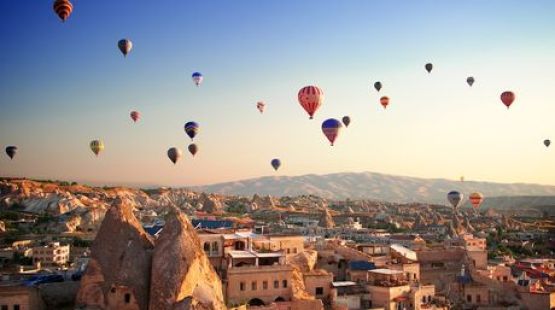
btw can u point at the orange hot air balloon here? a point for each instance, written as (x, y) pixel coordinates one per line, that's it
(384, 101)
(135, 116)
(310, 98)
(63, 9)
(476, 199)
(508, 97)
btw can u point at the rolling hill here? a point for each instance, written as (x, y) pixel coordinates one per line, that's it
(376, 186)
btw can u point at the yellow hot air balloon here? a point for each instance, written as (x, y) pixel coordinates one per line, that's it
(97, 146)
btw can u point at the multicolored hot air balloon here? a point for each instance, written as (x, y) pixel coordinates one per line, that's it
(547, 142)
(135, 116)
(193, 149)
(96, 146)
(310, 98)
(346, 121)
(429, 67)
(63, 9)
(331, 128)
(455, 198)
(197, 78)
(11, 151)
(384, 101)
(276, 163)
(476, 199)
(470, 80)
(378, 85)
(507, 97)
(125, 46)
(260, 106)
(174, 154)
(191, 129)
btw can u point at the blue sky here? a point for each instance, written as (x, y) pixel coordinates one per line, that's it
(64, 84)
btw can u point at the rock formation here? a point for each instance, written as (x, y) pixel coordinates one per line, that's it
(326, 220)
(181, 272)
(118, 273)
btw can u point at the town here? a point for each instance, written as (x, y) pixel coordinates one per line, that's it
(69, 246)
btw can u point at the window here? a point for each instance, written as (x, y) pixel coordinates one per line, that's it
(423, 299)
(295, 250)
(478, 298)
(206, 247)
(469, 298)
(4, 307)
(264, 285)
(319, 291)
(253, 285)
(288, 251)
(284, 282)
(276, 284)
(215, 247)
(127, 298)
(242, 286)
(15, 307)
(429, 298)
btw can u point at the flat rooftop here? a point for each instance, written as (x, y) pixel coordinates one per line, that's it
(386, 271)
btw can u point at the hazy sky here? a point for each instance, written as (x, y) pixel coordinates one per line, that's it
(62, 85)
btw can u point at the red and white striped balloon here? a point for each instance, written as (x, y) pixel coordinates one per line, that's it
(310, 98)
(135, 116)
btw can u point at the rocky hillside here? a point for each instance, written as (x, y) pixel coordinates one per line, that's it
(373, 186)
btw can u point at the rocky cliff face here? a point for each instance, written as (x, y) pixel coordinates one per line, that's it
(326, 220)
(118, 274)
(181, 272)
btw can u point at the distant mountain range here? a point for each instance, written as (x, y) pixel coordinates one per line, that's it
(383, 187)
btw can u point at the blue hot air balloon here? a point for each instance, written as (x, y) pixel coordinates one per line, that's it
(275, 163)
(331, 128)
(191, 129)
(455, 198)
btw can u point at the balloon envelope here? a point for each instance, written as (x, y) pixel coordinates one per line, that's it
(476, 199)
(429, 67)
(310, 98)
(63, 9)
(96, 146)
(125, 46)
(384, 101)
(11, 151)
(135, 116)
(260, 106)
(276, 163)
(378, 85)
(191, 129)
(193, 149)
(507, 97)
(470, 81)
(454, 198)
(331, 128)
(197, 78)
(174, 154)
(346, 121)
(547, 142)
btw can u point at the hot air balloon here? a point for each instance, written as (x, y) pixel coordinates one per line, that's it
(125, 46)
(310, 98)
(63, 9)
(476, 199)
(193, 149)
(384, 101)
(174, 154)
(197, 78)
(455, 198)
(508, 97)
(11, 151)
(275, 163)
(378, 85)
(135, 116)
(191, 129)
(346, 121)
(260, 106)
(331, 128)
(96, 146)
(547, 142)
(470, 80)
(429, 67)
